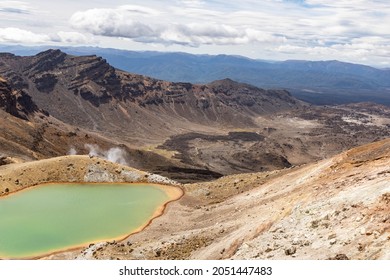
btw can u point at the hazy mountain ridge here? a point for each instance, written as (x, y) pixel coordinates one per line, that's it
(56, 80)
(333, 82)
(319, 82)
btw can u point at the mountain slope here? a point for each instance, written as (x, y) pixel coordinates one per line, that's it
(17, 103)
(186, 131)
(337, 208)
(88, 92)
(28, 133)
(318, 82)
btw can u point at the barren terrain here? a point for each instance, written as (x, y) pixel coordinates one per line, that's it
(265, 175)
(336, 208)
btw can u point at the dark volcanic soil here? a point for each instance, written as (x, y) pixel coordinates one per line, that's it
(282, 140)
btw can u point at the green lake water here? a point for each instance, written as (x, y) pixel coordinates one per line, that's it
(55, 217)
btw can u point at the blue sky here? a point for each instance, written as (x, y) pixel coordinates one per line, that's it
(356, 31)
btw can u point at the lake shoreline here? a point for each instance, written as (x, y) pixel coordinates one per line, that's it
(174, 193)
(77, 169)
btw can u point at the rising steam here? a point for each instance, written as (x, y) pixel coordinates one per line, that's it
(116, 155)
(72, 151)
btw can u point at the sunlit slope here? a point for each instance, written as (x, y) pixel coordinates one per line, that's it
(336, 208)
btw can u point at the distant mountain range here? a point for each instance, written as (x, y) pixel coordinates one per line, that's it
(317, 82)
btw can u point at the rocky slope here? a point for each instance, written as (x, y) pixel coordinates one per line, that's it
(89, 93)
(188, 132)
(338, 208)
(141, 112)
(28, 133)
(16, 102)
(45, 137)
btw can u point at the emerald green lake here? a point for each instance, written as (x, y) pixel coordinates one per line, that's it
(55, 217)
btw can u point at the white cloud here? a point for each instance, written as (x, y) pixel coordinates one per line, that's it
(72, 38)
(358, 50)
(16, 35)
(122, 22)
(112, 23)
(261, 29)
(192, 3)
(203, 34)
(19, 36)
(17, 7)
(139, 10)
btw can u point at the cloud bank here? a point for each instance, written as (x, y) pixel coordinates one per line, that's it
(14, 7)
(21, 36)
(17, 35)
(357, 31)
(125, 22)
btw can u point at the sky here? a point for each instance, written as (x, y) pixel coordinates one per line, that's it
(355, 31)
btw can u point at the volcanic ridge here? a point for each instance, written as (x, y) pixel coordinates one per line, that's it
(266, 176)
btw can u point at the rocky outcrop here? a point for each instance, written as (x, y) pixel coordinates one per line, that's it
(46, 61)
(16, 103)
(73, 169)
